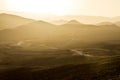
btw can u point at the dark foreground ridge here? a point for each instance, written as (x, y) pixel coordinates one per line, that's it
(101, 70)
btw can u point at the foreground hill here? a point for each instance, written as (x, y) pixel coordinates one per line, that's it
(105, 69)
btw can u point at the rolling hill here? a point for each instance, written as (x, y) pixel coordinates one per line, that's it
(8, 21)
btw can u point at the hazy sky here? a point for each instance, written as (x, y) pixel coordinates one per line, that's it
(107, 8)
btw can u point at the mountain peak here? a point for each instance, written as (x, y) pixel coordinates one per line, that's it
(73, 22)
(5, 14)
(41, 21)
(44, 22)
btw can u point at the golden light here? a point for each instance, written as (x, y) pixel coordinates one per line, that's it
(57, 7)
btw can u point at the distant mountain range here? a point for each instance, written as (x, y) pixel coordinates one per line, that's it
(85, 19)
(71, 33)
(63, 19)
(7, 20)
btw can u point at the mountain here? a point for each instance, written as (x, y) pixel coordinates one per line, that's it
(73, 22)
(109, 23)
(106, 23)
(87, 19)
(117, 23)
(69, 35)
(8, 21)
(72, 33)
(116, 19)
(28, 31)
(58, 22)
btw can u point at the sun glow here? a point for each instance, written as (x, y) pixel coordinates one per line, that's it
(57, 7)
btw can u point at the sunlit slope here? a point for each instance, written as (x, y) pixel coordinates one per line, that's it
(33, 30)
(12, 21)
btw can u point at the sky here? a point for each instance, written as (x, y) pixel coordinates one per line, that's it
(108, 8)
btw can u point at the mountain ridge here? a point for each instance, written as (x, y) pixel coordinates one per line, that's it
(8, 21)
